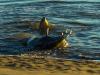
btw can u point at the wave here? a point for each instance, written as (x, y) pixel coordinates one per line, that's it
(90, 14)
(64, 1)
(86, 22)
(70, 54)
(44, 1)
(16, 2)
(79, 22)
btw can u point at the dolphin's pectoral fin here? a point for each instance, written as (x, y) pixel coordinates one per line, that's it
(35, 25)
(20, 36)
(23, 24)
(51, 26)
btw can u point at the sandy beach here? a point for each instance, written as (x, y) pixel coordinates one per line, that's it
(28, 65)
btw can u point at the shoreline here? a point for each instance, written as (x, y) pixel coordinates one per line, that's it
(14, 65)
(48, 57)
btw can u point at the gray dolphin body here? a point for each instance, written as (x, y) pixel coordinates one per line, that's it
(44, 42)
(48, 42)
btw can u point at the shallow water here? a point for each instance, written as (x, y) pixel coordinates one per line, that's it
(82, 17)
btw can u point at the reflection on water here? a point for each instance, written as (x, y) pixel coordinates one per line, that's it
(82, 17)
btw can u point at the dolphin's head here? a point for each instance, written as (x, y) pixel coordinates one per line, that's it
(44, 23)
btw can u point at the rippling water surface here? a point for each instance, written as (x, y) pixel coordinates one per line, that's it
(82, 17)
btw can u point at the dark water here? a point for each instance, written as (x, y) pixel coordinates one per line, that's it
(82, 17)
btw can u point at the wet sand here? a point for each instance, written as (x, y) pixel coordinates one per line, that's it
(28, 65)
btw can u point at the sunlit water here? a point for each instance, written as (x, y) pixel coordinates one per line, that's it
(82, 17)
